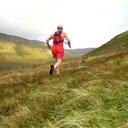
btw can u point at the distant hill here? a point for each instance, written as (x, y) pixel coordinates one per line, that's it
(78, 52)
(117, 44)
(16, 39)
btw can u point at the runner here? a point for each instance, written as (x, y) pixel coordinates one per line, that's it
(57, 49)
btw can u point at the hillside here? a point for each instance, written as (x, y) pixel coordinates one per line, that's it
(17, 52)
(14, 48)
(91, 92)
(17, 46)
(117, 44)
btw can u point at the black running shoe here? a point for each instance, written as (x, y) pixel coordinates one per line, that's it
(51, 69)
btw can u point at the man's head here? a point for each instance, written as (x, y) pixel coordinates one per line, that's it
(60, 28)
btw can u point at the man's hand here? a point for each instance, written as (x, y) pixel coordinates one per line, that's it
(69, 44)
(48, 44)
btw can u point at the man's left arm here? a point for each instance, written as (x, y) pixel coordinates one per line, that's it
(69, 43)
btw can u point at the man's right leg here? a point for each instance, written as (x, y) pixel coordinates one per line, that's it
(58, 65)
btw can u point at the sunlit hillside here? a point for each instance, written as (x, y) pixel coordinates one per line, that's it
(18, 49)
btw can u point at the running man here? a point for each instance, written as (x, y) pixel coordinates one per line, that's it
(57, 49)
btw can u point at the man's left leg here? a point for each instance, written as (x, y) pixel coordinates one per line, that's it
(56, 66)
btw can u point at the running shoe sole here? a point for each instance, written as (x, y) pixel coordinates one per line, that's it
(51, 69)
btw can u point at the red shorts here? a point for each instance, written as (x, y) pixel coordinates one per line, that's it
(58, 51)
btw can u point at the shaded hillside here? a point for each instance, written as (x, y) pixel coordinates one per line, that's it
(16, 39)
(117, 44)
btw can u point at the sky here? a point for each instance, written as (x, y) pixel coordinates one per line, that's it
(88, 23)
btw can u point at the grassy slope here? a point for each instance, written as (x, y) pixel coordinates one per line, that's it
(14, 55)
(117, 44)
(11, 51)
(90, 93)
(17, 52)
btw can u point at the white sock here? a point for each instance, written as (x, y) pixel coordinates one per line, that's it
(55, 66)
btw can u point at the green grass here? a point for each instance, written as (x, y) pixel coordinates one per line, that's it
(94, 96)
(17, 55)
(10, 51)
(91, 92)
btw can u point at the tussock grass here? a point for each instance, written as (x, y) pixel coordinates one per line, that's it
(91, 97)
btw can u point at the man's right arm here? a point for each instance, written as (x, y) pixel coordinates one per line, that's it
(47, 41)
